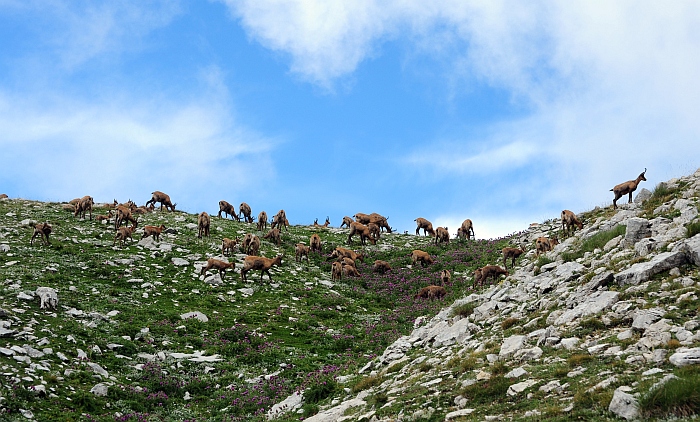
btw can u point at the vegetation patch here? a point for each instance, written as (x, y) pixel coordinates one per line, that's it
(678, 397)
(597, 241)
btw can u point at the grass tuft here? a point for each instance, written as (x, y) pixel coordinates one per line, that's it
(678, 397)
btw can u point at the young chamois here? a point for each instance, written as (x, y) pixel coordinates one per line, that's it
(431, 292)
(246, 213)
(154, 231)
(274, 236)
(336, 271)
(339, 252)
(420, 256)
(262, 221)
(374, 231)
(124, 233)
(445, 277)
(227, 246)
(84, 205)
(466, 231)
(245, 244)
(163, 198)
(263, 264)
(123, 215)
(361, 230)
(109, 215)
(442, 234)
(346, 222)
(381, 267)
(315, 243)
(513, 254)
(483, 273)
(301, 251)
(543, 244)
(568, 221)
(228, 210)
(254, 246)
(322, 225)
(349, 270)
(219, 265)
(203, 223)
(627, 188)
(42, 230)
(426, 225)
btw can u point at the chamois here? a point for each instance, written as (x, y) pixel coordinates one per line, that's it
(381, 267)
(164, 199)
(262, 221)
(466, 230)
(346, 222)
(426, 225)
(43, 230)
(336, 271)
(375, 218)
(445, 277)
(362, 231)
(627, 188)
(154, 231)
(280, 219)
(274, 236)
(246, 213)
(322, 225)
(513, 254)
(122, 234)
(442, 234)
(227, 246)
(301, 251)
(431, 292)
(315, 243)
(203, 223)
(543, 244)
(568, 220)
(483, 273)
(420, 256)
(263, 264)
(254, 246)
(124, 215)
(343, 252)
(219, 265)
(84, 205)
(228, 209)
(374, 231)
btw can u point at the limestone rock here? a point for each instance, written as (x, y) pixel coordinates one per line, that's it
(624, 405)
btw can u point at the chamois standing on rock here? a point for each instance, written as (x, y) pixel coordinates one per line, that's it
(203, 223)
(568, 221)
(543, 244)
(228, 209)
(426, 225)
(513, 254)
(627, 188)
(219, 265)
(42, 230)
(483, 273)
(163, 198)
(154, 231)
(263, 264)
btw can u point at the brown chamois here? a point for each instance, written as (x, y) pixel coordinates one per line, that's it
(349, 270)
(568, 220)
(227, 246)
(543, 244)
(336, 271)
(420, 256)
(262, 221)
(361, 230)
(84, 205)
(301, 251)
(445, 277)
(493, 271)
(254, 246)
(431, 292)
(228, 210)
(627, 188)
(154, 231)
(245, 244)
(246, 213)
(203, 224)
(123, 215)
(263, 264)
(374, 231)
(109, 215)
(346, 222)
(375, 218)
(42, 230)
(124, 233)
(219, 265)
(466, 231)
(315, 243)
(274, 236)
(513, 254)
(339, 252)
(280, 219)
(381, 267)
(3, 196)
(328, 221)
(442, 234)
(163, 198)
(426, 225)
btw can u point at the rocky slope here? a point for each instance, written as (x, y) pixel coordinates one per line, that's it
(580, 333)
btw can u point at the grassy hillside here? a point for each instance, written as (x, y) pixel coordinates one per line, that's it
(120, 311)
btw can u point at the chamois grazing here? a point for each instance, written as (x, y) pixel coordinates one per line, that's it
(466, 231)
(163, 198)
(301, 251)
(262, 221)
(153, 231)
(627, 188)
(280, 219)
(350, 270)
(122, 234)
(315, 243)
(381, 267)
(336, 271)
(568, 221)
(274, 236)
(346, 222)
(442, 234)
(543, 244)
(84, 205)
(203, 223)
(426, 225)
(245, 244)
(421, 256)
(228, 210)
(219, 265)
(252, 262)
(227, 246)
(445, 277)
(483, 273)
(431, 292)
(246, 213)
(361, 230)
(375, 218)
(374, 231)
(339, 252)
(42, 230)
(254, 246)
(513, 254)
(124, 215)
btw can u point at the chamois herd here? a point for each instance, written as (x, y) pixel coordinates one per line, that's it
(368, 227)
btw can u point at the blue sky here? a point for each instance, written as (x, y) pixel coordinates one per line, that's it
(502, 112)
